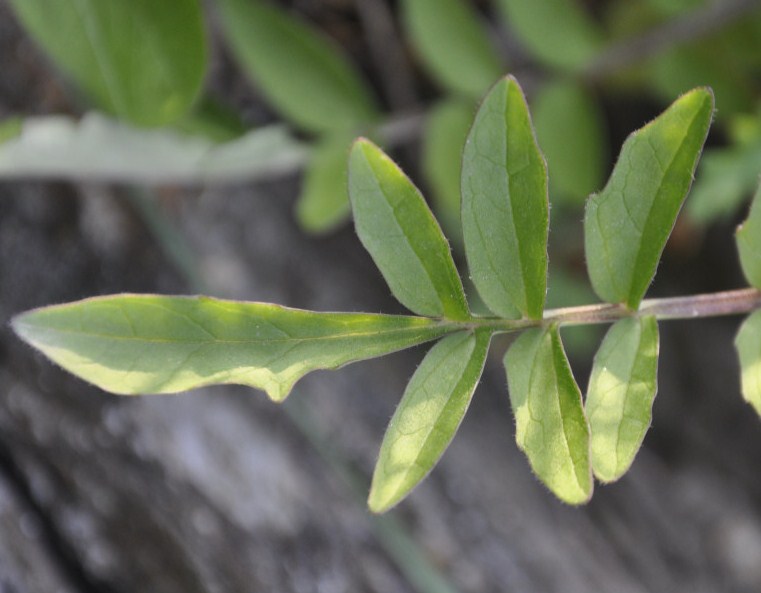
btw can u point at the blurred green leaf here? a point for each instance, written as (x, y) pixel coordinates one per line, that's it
(557, 32)
(749, 242)
(132, 344)
(301, 72)
(141, 60)
(10, 128)
(725, 178)
(324, 200)
(748, 345)
(627, 224)
(101, 149)
(399, 231)
(504, 205)
(549, 417)
(213, 120)
(570, 129)
(452, 44)
(728, 61)
(428, 416)
(620, 397)
(446, 128)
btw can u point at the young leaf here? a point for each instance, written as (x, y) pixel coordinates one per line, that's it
(446, 128)
(550, 424)
(557, 32)
(570, 129)
(428, 416)
(97, 148)
(749, 242)
(619, 401)
(396, 226)
(453, 44)
(324, 201)
(304, 75)
(627, 224)
(139, 59)
(748, 345)
(505, 212)
(131, 344)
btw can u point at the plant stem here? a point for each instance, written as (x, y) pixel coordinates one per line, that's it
(731, 302)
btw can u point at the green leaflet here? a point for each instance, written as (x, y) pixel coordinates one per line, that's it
(428, 416)
(726, 177)
(97, 148)
(452, 44)
(131, 344)
(396, 226)
(620, 397)
(446, 128)
(557, 32)
(550, 424)
(305, 76)
(627, 224)
(139, 59)
(505, 211)
(324, 201)
(748, 345)
(570, 130)
(749, 242)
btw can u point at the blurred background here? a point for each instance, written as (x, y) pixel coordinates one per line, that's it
(213, 161)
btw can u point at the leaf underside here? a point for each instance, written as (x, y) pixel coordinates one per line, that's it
(551, 428)
(620, 397)
(428, 416)
(133, 344)
(98, 148)
(627, 224)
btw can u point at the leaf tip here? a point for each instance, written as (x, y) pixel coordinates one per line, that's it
(380, 500)
(21, 326)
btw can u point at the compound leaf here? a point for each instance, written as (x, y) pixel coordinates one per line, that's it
(132, 344)
(749, 242)
(627, 224)
(324, 200)
(557, 32)
(550, 424)
(301, 72)
(505, 210)
(748, 345)
(396, 226)
(620, 397)
(97, 148)
(453, 44)
(428, 416)
(139, 59)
